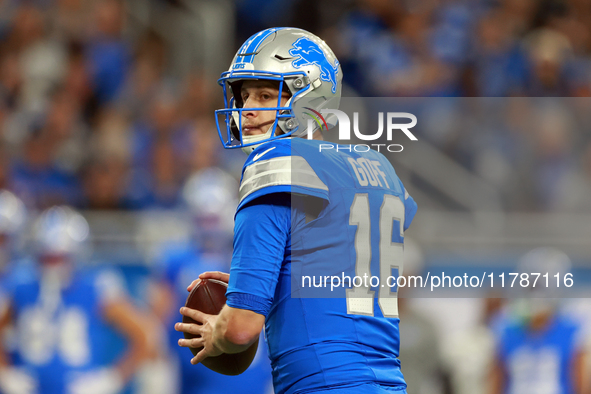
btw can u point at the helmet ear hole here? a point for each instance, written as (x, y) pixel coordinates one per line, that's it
(234, 129)
(236, 88)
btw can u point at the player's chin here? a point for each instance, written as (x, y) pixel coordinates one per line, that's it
(251, 131)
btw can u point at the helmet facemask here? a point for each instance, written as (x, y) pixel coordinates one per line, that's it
(284, 124)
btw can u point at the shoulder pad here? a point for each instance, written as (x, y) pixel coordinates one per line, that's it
(274, 168)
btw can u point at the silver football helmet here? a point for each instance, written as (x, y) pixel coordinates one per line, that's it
(540, 266)
(212, 195)
(212, 198)
(300, 63)
(61, 231)
(12, 213)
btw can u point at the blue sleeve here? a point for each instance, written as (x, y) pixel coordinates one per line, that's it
(261, 234)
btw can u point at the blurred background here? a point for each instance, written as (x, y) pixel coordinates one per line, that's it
(107, 107)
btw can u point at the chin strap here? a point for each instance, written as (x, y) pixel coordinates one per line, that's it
(254, 138)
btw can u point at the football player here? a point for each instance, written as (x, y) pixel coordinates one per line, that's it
(541, 350)
(76, 329)
(302, 209)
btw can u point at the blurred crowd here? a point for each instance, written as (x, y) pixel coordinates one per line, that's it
(91, 119)
(534, 153)
(95, 114)
(467, 48)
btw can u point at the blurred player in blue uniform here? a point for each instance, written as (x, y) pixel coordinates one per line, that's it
(541, 350)
(76, 331)
(303, 211)
(210, 196)
(12, 222)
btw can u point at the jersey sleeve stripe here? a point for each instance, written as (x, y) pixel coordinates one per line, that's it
(250, 302)
(285, 170)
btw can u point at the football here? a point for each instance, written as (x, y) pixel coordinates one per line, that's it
(209, 296)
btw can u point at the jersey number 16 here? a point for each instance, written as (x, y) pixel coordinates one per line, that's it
(360, 300)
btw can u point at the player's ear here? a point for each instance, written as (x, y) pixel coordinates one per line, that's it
(236, 88)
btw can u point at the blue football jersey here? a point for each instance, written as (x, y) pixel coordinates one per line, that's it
(60, 331)
(540, 362)
(315, 340)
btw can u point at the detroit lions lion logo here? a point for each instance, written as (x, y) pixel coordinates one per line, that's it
(310, 53)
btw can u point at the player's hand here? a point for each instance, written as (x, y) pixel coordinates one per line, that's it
(204, 331)
(221, 276)
(16, 381)
(100, 381)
